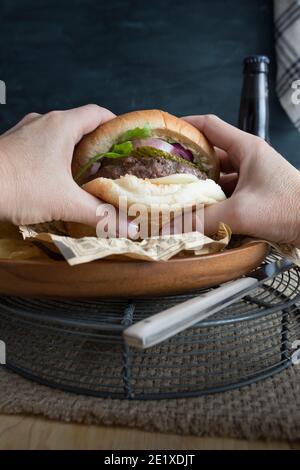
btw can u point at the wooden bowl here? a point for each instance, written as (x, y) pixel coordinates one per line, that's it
(127, 278)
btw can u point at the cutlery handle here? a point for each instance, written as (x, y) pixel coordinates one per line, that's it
(164, 325)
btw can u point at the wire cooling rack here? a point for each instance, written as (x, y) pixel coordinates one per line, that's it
(78, 346)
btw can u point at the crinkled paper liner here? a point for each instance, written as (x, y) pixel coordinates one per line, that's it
(84, 250)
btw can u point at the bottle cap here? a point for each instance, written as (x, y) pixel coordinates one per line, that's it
(256, 64)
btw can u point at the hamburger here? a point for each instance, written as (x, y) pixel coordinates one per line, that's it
(151, 158)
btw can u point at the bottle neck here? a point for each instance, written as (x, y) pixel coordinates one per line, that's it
(254, 106)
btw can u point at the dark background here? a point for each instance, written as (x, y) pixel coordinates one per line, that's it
(181, 56)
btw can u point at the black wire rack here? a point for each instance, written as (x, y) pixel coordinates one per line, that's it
(78, 345)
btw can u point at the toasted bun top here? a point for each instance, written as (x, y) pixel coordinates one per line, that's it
(163, 125)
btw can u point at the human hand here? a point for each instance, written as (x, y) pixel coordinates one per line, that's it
(35, 167)
(263, 188)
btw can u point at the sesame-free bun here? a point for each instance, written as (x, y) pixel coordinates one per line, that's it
(174, 191)
(163, 125)
(164, 195)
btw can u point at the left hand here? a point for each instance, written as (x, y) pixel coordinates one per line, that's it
(35, 167)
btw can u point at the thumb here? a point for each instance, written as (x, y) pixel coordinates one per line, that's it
(224, 211)
(84, 209)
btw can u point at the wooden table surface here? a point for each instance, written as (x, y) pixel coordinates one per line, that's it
(35, 433)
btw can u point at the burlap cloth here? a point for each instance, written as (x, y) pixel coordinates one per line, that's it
(269, 409)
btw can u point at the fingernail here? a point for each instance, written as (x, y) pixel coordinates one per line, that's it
(132, 230)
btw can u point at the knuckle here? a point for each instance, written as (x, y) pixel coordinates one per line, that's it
(53, 114)
(95, 108)
(30, 116)
(53, 117)
(260, 145)
(211, 117)
(259, 141)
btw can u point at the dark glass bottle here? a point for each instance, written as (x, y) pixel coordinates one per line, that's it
(254, 105)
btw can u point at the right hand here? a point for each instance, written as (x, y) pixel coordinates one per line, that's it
(263, 188)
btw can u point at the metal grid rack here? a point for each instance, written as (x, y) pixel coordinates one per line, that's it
(78, 345)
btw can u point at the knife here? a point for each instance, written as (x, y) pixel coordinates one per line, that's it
(169, 322)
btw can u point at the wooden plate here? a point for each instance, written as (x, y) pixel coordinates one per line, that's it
(126, 278)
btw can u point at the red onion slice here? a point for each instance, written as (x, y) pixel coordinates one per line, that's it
(94, 168)
(159, 144)
(183, 152)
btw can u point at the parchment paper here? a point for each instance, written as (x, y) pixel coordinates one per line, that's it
(24, 243)
(83, 250)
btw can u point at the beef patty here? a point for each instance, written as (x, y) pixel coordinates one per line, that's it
(144, 167)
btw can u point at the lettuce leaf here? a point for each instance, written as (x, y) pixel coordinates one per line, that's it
(136, 133)
(117, 151)
(93, 160)
(123, 149)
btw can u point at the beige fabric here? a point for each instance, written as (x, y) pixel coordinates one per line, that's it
(266, 410)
